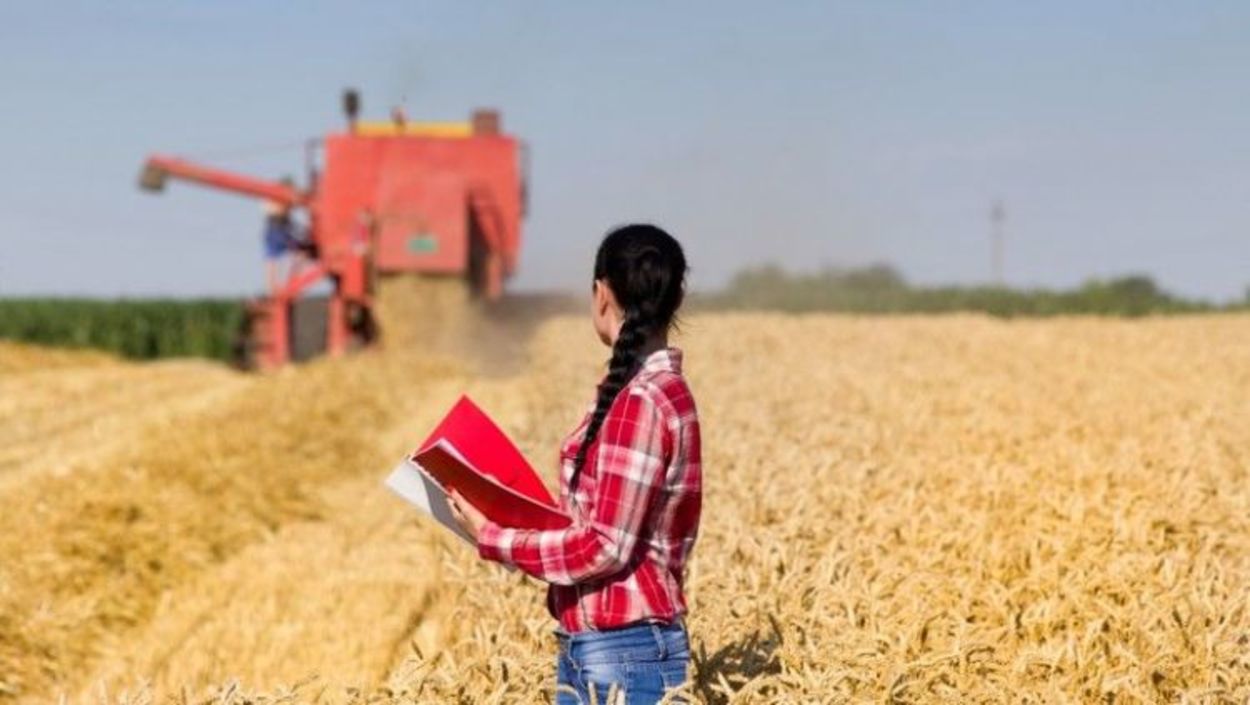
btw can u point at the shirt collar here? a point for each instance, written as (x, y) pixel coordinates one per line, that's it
(663, 359)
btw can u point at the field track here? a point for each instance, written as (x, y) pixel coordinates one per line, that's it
(904, 509)
(57, 416)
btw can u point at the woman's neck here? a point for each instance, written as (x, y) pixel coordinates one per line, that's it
(655, 341)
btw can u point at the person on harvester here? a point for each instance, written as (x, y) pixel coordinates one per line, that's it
(282, 241)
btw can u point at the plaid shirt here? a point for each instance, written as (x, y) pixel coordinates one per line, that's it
(635, 512)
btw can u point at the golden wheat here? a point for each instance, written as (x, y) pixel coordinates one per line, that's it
(947, 509)
(22, 357)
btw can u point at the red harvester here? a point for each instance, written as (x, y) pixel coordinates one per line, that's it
(441, 199)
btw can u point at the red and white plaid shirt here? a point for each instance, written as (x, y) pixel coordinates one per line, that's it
(635, 514)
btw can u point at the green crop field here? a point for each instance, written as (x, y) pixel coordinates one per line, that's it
(135, 328)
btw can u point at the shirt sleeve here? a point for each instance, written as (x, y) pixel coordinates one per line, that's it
(631, 460)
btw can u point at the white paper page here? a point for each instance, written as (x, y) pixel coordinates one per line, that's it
(409, 481)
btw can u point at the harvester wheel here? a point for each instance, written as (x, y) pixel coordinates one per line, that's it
(362, 324)
(309, 325)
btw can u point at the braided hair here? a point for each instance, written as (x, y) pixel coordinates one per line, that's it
(645, 269)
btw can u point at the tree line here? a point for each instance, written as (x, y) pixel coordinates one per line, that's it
(882, 289)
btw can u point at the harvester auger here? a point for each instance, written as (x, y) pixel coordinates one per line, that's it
(391, 198)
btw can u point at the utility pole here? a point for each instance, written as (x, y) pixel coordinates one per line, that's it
(998, 217)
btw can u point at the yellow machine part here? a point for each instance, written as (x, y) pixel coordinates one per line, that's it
(414, 129)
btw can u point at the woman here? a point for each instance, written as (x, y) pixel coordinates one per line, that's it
(630, 478)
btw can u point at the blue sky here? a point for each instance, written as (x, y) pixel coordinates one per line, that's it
(1116, 133)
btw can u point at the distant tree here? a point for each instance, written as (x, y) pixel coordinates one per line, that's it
(876, 277)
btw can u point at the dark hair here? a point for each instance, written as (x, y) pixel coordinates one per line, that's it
(646, 270)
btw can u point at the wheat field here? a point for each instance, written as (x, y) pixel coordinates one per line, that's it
(943, 509)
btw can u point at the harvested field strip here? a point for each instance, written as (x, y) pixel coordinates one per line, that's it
(338, 597)
(88, 555)
(52, 420)
(16, 358)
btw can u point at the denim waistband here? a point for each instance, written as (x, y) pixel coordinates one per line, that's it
(655, 626)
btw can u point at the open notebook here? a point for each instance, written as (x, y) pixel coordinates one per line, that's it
(468, 452)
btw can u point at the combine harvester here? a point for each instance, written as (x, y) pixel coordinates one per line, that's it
(392, 198)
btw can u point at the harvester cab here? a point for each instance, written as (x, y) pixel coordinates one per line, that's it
(390, 198)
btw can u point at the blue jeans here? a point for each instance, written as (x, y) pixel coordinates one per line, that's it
(634, 664)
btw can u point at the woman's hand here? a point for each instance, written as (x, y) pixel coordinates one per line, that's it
(466, 515)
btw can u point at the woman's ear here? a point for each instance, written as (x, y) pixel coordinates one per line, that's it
(603, 298)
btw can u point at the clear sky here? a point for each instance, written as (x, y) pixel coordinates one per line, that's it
(1116, 133)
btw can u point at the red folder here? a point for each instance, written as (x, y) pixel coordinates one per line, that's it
(467, 452)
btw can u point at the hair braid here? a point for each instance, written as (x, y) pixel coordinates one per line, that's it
(645, 269)
(621, 369)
